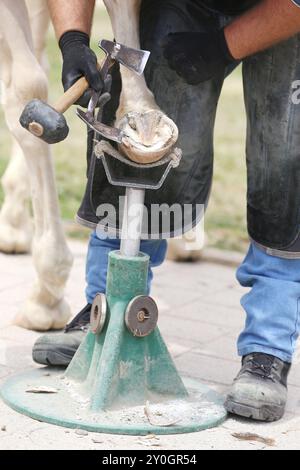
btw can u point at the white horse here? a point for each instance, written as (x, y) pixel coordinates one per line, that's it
(23, 27)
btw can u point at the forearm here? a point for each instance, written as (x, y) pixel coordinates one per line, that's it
(268, 23)
(70, 15)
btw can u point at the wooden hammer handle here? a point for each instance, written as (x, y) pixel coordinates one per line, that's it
(76, 91)
(72, 95)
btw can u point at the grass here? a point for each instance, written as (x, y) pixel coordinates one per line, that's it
(226, 216)
(225, 219)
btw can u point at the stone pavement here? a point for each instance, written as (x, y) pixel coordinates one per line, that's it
(200, 318)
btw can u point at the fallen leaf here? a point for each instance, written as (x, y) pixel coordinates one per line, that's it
(3, 428)
(42, 389)
(255, 437)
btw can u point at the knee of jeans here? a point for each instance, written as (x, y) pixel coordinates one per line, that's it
(243, 277)
(156, 249)
(111, 243)
(244, 273)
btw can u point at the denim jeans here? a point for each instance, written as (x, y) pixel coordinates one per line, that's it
(97, 260)
(271, 306)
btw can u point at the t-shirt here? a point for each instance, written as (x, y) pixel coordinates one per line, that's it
(233, 6)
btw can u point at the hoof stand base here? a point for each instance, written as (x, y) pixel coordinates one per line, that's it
(117, 382)
(203, 409)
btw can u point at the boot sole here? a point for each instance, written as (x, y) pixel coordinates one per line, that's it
(53, 358)
(267, 413)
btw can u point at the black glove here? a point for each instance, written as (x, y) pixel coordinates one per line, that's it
(79, 60)
(197, 57)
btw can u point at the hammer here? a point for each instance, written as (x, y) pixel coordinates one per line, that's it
(48, 122)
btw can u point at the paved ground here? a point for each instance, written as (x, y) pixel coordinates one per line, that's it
(200, 318)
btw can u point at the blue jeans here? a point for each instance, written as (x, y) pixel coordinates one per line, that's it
(97, 260)
(271, 306)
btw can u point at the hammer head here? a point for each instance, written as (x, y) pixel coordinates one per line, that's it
(44, 122)
(133, 59)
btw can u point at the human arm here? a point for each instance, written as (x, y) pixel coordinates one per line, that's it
(268, 23)
(74, 15)
(72, 21)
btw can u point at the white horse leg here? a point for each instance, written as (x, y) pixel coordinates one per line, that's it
(46, 309)
(39, 19)
(185, 248)
(15, 219)
(24, 79)
(150, 133)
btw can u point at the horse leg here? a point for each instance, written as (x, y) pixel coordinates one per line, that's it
(25, 79)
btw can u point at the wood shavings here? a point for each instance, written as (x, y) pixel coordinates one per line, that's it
(148, 444)
(42, 389)
(254, 437)
(152, 436)
(81, 432)
(157, 422)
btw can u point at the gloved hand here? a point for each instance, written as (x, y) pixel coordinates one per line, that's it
(79, 60)
(197, 57)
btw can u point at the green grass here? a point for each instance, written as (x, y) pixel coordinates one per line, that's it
(225, 219)
(226, 216)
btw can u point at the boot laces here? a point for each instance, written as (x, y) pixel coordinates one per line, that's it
(81, 321)
(262, 365)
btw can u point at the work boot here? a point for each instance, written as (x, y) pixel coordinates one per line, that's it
(58, 349)
(260, 390)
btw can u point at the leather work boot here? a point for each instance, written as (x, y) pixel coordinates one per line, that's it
(58, 349)
(259, 391)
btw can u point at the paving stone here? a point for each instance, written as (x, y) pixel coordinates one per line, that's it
(203, 312)
(5, 372)
(208, 369)
(186, 329)
(293, 404)
(177, 347)
(224, 348)
(15, 355)
(20, 335)
(188, 277)
(294, 377)
(229, 297)
(173, 298)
